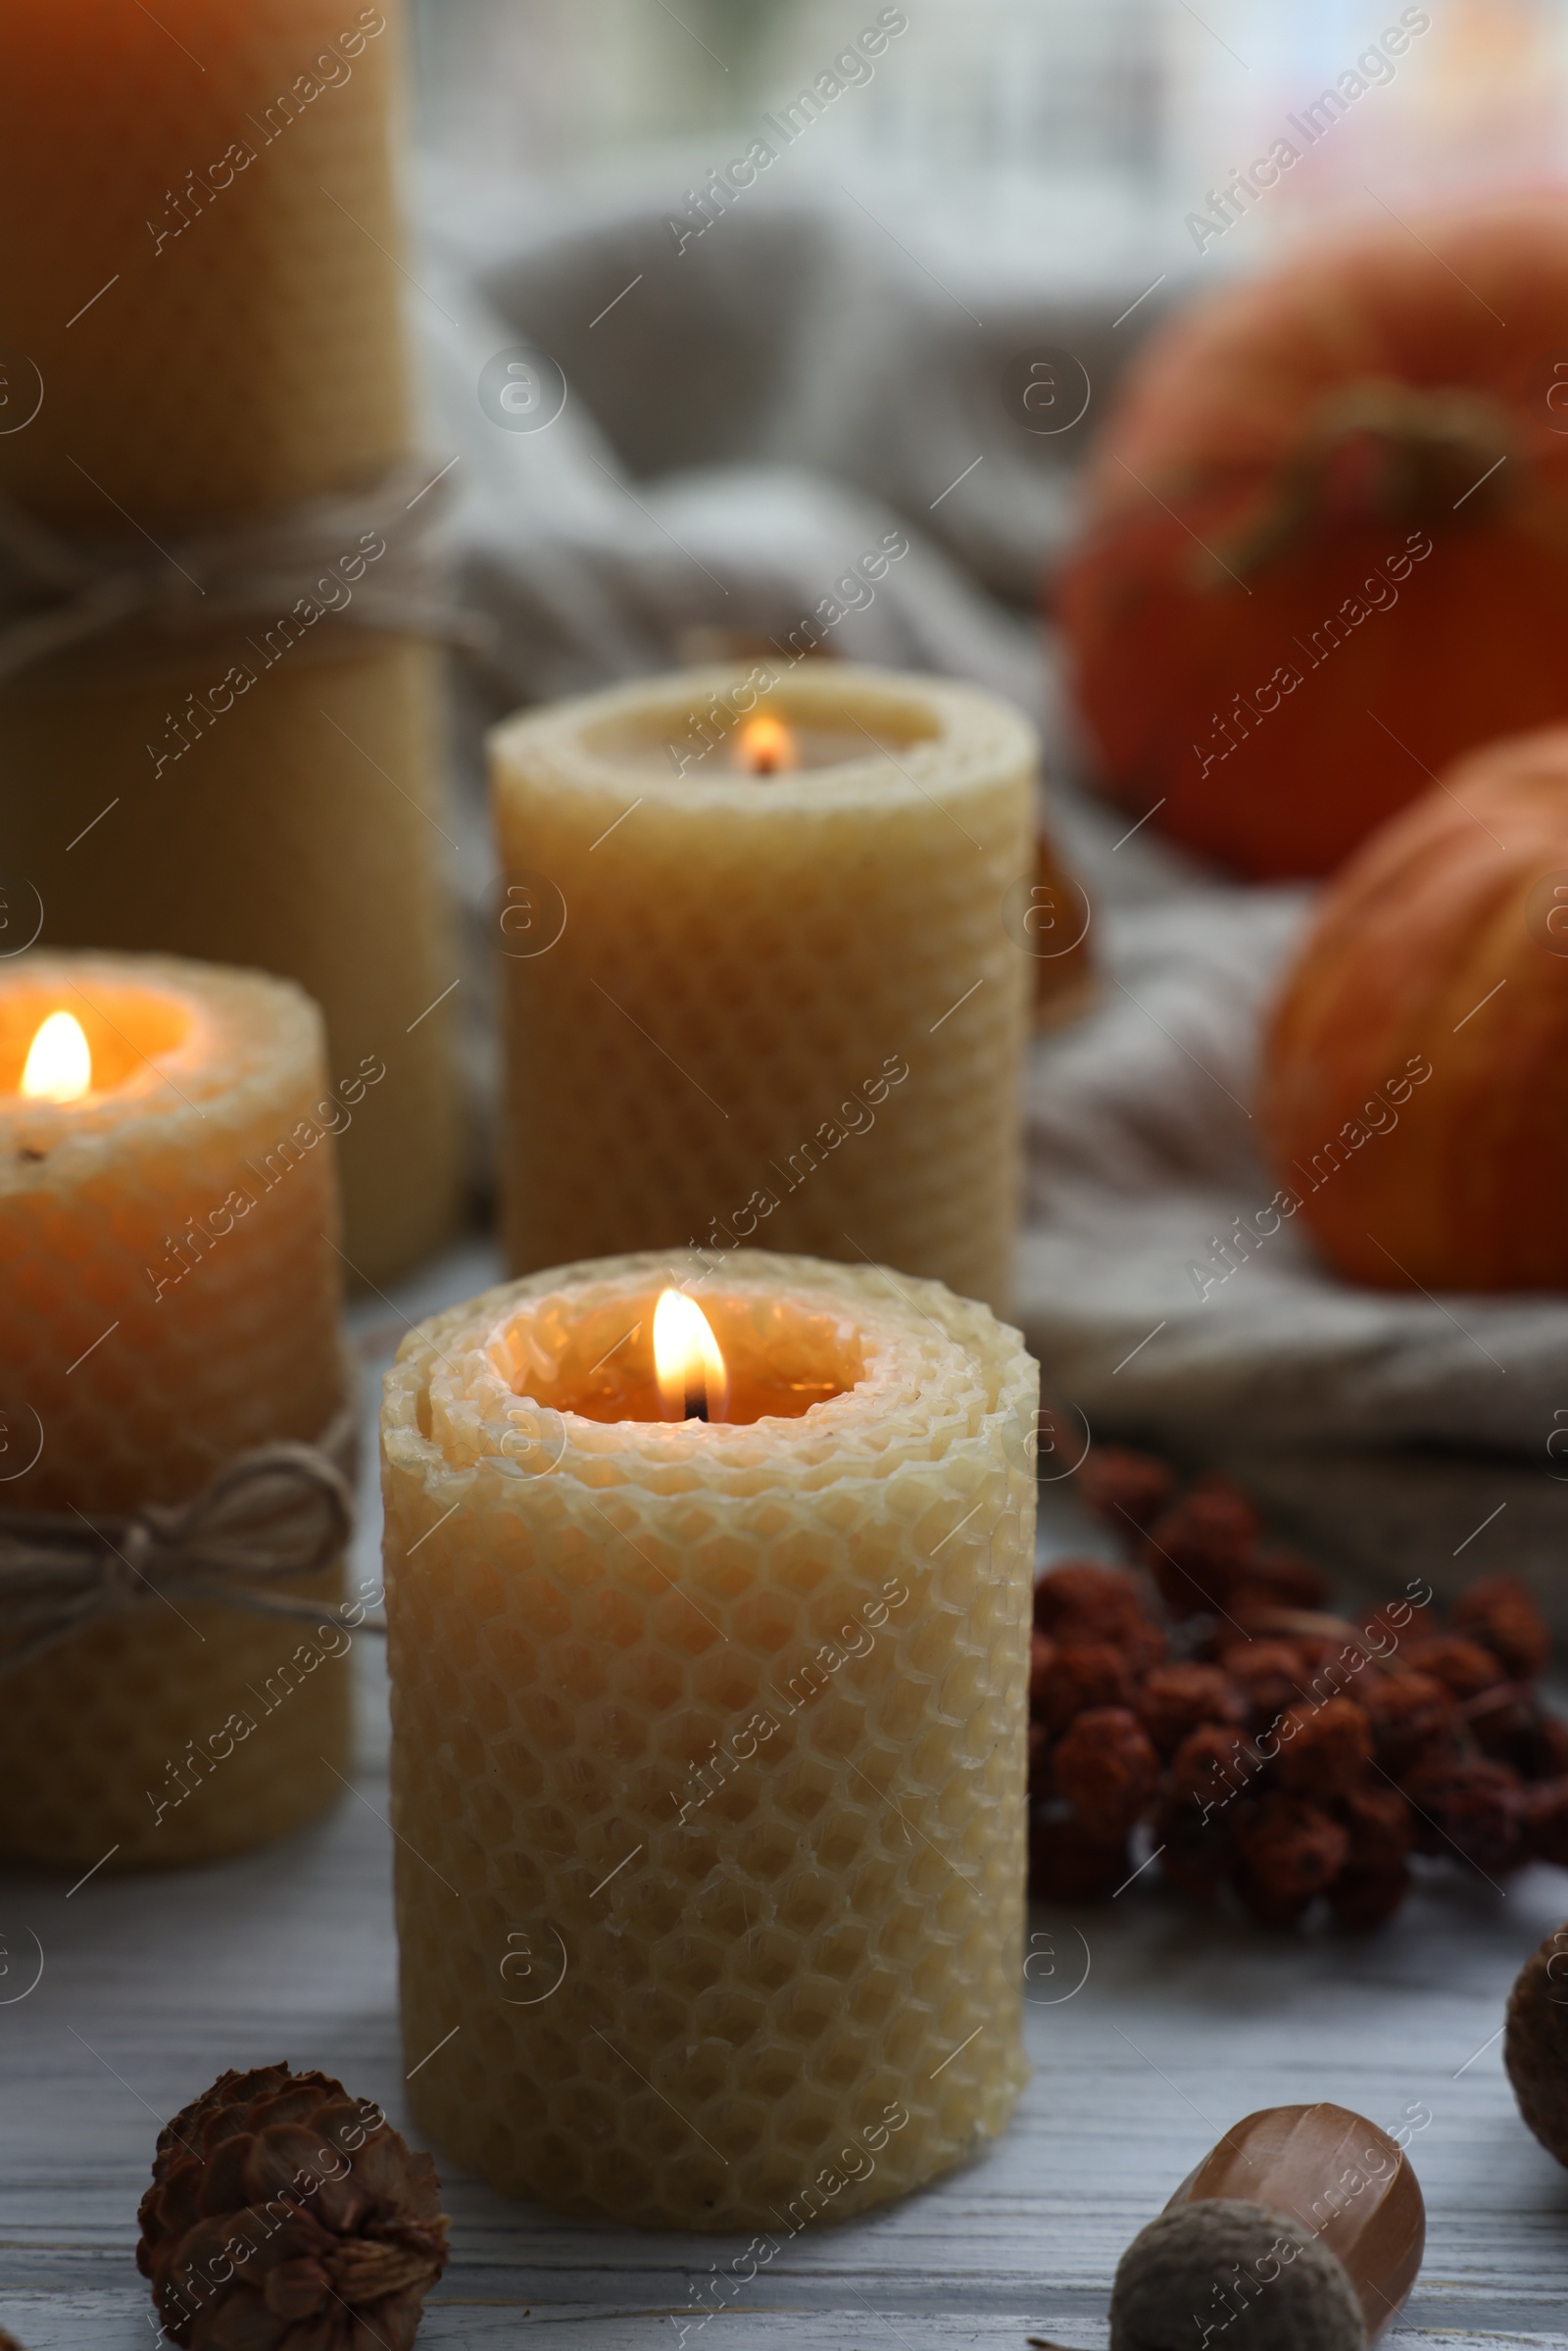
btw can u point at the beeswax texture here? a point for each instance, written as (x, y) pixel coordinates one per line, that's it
(708, 1758)
(128, 1393)
(302, 835)
(709, 1050)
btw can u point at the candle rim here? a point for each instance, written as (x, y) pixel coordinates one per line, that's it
(99, 993)
(238, 1026)
(433, 1429)
(842, 1343)
(977, 739)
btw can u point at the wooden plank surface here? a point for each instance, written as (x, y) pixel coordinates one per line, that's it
(1151, 2028)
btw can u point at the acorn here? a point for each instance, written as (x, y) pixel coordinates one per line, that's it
(1324, 2265)
(1263, 2278)
(1535, 2046)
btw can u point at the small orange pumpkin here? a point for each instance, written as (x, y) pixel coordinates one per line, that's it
(1416, 1068)
(1327, 546)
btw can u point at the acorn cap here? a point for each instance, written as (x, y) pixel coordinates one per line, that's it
(1535, 2046)
(1257, 2279)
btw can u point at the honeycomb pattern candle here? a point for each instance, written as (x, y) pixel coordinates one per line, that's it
(169, 1297)
(213, 233)
(760, 982)
(709, 1689)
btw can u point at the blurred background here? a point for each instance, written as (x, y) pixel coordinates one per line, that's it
(924, 299)
(1043, 115)
(715, 296)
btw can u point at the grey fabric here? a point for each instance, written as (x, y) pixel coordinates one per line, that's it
(1143, 1147)
(1390, 1431)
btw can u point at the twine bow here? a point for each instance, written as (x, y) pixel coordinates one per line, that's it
(279, 1511)
(58, 589)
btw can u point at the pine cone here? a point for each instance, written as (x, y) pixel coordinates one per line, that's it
(286, 2216)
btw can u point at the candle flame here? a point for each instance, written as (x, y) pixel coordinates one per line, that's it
(59, 1064)
(765, 745)
(693, 1383)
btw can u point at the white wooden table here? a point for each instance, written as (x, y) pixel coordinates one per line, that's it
(151, 1986)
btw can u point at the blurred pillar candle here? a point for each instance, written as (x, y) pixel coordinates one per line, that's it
(759, 979)
(202, 329)
(708, 1769)
(170, 1296)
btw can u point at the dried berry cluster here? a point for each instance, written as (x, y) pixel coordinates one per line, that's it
(1266, 1746)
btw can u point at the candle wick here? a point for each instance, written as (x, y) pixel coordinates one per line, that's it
(696, 1403)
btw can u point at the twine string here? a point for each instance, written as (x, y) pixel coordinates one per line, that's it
(275, 1512)
(59, 590)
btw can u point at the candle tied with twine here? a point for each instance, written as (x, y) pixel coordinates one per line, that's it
(60, 590)
(273, 1512)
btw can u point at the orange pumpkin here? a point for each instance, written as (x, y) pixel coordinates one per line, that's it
(1416, 1071)
(1327, 541)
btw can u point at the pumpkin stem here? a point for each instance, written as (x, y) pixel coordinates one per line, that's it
(1386, 452)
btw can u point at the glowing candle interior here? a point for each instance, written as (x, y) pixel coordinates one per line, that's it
(810, 725)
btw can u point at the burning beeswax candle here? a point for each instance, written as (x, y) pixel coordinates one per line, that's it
(168, 1298)
(765, 991)
(207, 308)
(708, 1735)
